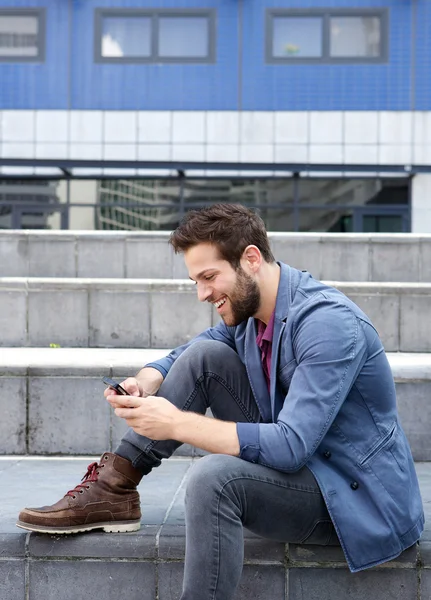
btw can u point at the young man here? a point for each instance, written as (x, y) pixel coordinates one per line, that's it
(306, 444)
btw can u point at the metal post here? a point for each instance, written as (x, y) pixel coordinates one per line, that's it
(296, 202)
(182, 203)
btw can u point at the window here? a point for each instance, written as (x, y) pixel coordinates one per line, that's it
(22, 35)
(326, 36)
(134, 36)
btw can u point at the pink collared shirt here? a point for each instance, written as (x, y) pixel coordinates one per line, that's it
(264, 342)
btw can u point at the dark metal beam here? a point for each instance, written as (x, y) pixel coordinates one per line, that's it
(67, 168)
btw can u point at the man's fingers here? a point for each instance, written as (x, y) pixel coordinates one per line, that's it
(124, 401)
(125, 413)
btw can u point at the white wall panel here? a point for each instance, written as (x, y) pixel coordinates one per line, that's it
(360, 154)
(188, 127)
(395, 127)
(222, 127)
(120, 126)
(52, 151)
(291, 153)
(395, 155)
(361, 127)
(256, 128)
(328, 154)
(291, 127)
(52, 126)
(155, 127)
(86, 126)
(18, 125)
(326, 127)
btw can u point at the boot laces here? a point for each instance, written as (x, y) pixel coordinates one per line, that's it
(90, 476)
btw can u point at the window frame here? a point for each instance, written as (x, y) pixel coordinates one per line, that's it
(40, 14)
(154, 15)
(326, 15)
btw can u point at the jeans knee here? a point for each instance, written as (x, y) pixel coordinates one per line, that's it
(205, 352)
(207, 477)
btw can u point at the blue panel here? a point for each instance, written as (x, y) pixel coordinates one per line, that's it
(326, 87)
(39, 85)
(151, 86)
(422, 36)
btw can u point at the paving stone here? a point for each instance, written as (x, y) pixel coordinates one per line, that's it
(119, 319)
(56, 409)
(260, 549)
(69, 580)
(257, 582)
(425, 585)
(98, 257)
(334, 554)
(340, 584)
(13, 400)
(140, 544)
(425, 555)
(12, 545)
(56, 317)
(12, 580)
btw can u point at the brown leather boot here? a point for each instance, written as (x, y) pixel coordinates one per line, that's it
(107, 498)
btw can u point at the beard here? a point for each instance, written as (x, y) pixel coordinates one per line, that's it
(244, 299)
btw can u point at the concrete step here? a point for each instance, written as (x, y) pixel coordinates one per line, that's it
(342, 257)
(52, 399)
(149, 564)
(155, 313)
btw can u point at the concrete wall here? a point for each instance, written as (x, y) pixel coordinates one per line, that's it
(162, 313)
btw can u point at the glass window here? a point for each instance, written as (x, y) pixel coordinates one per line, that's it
(126, 36)
(135, 35)
(355, 37)
(326, 35)
(183, 37)
(297, 37)
(19, 36)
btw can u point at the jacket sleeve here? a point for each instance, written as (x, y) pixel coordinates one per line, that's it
(220, 333)
(330, 349)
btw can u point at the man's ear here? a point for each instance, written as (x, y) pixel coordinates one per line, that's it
(252, 258)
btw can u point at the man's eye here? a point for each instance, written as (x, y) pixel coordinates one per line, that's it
(209, 277)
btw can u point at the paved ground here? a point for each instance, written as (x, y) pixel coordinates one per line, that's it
(42, 481)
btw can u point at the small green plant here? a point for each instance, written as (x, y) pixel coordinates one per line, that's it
(54, 345)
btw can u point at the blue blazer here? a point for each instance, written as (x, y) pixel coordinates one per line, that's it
(331, 407)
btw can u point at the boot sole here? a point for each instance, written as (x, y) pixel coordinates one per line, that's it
(122, 527)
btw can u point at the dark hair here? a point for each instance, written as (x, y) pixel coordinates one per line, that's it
(230, 227)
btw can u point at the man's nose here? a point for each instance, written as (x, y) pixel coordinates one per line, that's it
(204, 291)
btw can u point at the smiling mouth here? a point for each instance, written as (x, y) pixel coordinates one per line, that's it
(219, 303)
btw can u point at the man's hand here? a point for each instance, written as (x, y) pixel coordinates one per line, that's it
(153, 417)
(146, 383)
(158, 419)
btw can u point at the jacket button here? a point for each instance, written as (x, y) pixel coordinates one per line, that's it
(354, 485)
(327, 454)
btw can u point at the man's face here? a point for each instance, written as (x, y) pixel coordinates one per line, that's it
(235, 294)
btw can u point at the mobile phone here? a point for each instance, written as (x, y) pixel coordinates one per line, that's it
(115, 386)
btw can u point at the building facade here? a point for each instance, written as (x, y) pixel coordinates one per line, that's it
(333, 96)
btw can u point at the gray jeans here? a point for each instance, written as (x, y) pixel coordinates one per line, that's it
(225, 493)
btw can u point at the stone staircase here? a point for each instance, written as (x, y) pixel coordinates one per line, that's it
(110, 303)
